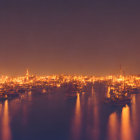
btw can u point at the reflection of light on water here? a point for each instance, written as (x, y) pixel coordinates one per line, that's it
(133, 107)
(113, 126)
(77, 120)
(0, 109)
(6, 132)
(92, 91)
(44, 91)
(96, 116)
(78, 105)
(125, 124)
(134, 115)
(30, 95)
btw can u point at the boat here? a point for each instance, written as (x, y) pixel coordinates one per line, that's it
(117, 97)
(118, 101)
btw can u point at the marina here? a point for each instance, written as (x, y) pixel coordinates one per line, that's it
(80, 118)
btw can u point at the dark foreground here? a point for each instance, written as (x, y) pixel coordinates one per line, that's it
(54, 117)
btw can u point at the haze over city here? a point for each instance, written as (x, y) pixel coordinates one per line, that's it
(70, 37)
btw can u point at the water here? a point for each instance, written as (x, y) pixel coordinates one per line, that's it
(53, 117)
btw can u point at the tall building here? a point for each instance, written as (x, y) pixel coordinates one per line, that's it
(27, 74)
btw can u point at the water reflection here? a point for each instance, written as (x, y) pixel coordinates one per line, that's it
(90, 121)
(77, 120)
(134, 115)
(113, 126)
(30, 95)
(126, 128)
(92, 91)
(6, 131)
(95, 116)
(0, 109)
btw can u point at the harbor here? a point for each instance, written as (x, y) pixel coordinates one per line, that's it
(84, 117)
(116, 87)
(72, 107)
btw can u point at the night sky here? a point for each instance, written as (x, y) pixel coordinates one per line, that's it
(69, 36)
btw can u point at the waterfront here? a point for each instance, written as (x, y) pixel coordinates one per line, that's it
(53, 117)
(69, 70)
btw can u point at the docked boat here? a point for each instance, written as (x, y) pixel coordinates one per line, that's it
(117, 97)
(118, 101)
(3, 97)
